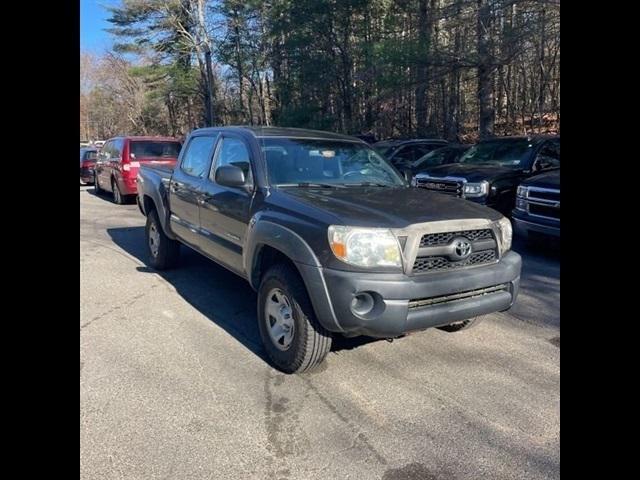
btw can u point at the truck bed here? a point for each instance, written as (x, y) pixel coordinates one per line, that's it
(162, 170)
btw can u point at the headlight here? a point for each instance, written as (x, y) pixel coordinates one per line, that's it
(506, 234)
(522, 192)
(365, 247)
(476, 189)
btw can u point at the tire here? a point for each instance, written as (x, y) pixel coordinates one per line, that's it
(301, 343)
(163, 252)
(118, 198)
(459, 326)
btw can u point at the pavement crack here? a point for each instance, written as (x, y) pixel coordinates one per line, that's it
(115, 308)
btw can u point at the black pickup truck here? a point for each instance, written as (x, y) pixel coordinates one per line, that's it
(537, 212)
(331, 237)
(490, 171)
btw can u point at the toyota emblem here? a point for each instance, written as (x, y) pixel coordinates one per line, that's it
(462, 248)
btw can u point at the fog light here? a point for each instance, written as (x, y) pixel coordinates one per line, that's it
(362, 304)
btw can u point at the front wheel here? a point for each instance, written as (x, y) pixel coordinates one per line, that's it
(292, 336)
(463, 325)
(163, 251)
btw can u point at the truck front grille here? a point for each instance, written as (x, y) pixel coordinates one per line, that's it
(433, 239)
(448, 187)
(544, 194)
(544, 211)
(432, 264)
(437, 251)
(543, 202)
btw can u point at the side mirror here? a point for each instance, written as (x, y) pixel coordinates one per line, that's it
(230, 176)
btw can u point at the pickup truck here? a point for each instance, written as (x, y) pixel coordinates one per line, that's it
(537, 212)
(489, 172)
(330, 235)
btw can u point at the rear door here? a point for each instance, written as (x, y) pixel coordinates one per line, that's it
(225, 211)
(184, 188)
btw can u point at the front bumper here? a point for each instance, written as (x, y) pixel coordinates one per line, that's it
(523, 224)
(408, 303)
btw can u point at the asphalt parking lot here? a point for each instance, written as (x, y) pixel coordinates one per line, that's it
(174, 384)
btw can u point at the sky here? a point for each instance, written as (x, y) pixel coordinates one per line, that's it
(93, 21)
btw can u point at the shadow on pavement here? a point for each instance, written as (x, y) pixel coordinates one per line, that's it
(220, 295)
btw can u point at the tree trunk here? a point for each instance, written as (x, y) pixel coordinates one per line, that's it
(210, 89)
(485, 71)
(425, 26)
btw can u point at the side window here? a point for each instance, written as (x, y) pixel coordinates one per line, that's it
(422, 150)
(105, 152)
(116, 150)
(196, 157)
(548, 156)
(233, 151)
(435, 159)
(404, 154)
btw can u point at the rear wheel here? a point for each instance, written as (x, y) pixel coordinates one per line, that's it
(463, 325)
(292, 336)
(117, 195)
(163, 251)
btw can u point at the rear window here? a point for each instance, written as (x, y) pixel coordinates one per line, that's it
(155, 149)
(91, 155)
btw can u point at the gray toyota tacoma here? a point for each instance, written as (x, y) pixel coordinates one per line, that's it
(330, 236)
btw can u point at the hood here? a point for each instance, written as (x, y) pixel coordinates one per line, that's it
(473, 173)
(544, 180)
(378, 206)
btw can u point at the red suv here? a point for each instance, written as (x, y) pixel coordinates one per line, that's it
(120, 158)
(87, 163)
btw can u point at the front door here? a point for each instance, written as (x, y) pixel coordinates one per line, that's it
(225, 211)
(184, 188)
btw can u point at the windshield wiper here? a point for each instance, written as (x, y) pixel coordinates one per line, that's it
(311, 185)
(370, 184)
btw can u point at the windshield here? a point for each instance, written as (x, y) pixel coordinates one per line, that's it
(155, 149)
(296, 162)
(384, 150)
(438, 157)
(506, 154)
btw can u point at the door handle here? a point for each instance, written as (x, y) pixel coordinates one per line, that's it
(205, 199)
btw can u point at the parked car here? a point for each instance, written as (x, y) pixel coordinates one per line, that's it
(120, 158)
(537, 211)
(87, 164)
(490, 171)
(440, 156)
(401, 152)
(330, 235)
